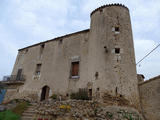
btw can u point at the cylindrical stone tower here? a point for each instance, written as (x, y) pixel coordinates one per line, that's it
(112, 67)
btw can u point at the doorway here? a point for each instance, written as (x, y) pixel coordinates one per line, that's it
(45, 93)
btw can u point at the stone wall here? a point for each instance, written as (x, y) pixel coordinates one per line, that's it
(13, 92)
(150, 98)
(84, 110)
(10, 93)
(116, 70)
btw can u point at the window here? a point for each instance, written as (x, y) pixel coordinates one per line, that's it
(116, 29)
(75, 69)
(117, 50)
(38, 69)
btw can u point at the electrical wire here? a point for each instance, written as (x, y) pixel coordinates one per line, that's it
(148, 54)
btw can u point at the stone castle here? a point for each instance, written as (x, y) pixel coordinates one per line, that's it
(100, 59)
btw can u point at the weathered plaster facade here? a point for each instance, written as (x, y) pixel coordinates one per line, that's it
(56, 63)
(105, 53)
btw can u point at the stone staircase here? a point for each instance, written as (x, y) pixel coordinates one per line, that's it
(29, 113)
(115, 100)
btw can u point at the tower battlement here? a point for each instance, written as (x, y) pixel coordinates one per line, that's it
(109, 5)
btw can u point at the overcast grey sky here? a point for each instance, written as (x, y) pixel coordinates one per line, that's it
(26, 22)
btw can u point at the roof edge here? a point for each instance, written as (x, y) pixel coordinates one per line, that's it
(87, 30)
(154, 78)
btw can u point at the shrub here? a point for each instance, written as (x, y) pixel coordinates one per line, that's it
(82, 94)
(54, 97)
(109, 114)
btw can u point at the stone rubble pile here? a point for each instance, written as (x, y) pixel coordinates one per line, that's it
(81, 110)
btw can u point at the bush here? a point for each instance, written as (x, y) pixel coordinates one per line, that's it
(54, 97)
(9, 115)
(82, 94)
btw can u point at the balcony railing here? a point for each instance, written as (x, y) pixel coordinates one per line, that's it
(14, 79)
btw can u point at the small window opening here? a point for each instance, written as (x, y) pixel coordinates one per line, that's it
(75, 69)
(117, 50)
(116, 29)
(105, 48)
(96, 75)
(67, 95)
(116, 90)
(98, 89)
(38, 69)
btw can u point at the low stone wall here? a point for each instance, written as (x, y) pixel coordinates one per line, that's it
(9, 95)
(84, 110)
(12, 94)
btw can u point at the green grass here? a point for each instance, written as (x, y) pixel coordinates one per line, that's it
(9, 115)
(15, 113)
